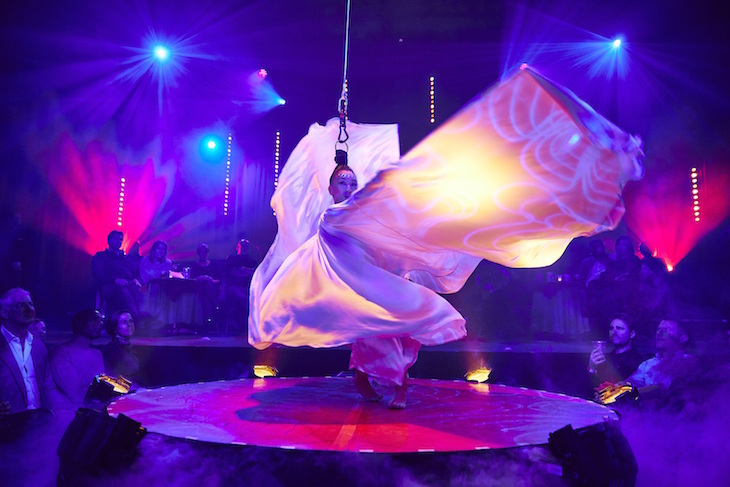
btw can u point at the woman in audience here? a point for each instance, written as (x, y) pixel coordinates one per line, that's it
(119, 356)
(156, 264)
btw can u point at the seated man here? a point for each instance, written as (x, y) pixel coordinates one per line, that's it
(75, 363)
(620, 362)
(236, 282)
(25, 378)
(115, 277)
(209, 273)
(204, 268)
(672, 364)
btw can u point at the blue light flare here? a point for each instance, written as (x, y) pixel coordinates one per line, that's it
(162, 53)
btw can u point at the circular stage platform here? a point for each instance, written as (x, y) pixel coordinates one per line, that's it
(327, 414)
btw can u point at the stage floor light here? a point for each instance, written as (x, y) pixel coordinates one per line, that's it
(480, 374)
(262, 371)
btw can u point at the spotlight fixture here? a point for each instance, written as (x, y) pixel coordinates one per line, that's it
(480, 374)
(162, 53)
(262, 371)
(616, 43)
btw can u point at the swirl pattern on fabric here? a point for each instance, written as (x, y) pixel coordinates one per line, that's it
(511, 178)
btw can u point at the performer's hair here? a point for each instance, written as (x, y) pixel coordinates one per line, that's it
(341, 161)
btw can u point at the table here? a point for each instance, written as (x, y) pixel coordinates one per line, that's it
(180, 301)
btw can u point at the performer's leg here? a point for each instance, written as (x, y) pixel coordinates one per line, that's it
(363, 386)
(387, 360)
(399, 400)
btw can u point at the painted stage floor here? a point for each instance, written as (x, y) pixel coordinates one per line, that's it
(327, 414)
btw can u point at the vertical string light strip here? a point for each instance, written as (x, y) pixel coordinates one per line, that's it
(694, 174)
(432, 82)
(120, 212)
(276, 161)
(227, 192)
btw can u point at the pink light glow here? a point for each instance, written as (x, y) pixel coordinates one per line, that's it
(659, 211)
(87, 183)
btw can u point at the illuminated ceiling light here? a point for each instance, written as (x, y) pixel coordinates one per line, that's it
(211, 144)
(162, 53)
(262, 371)
(277, 149)
(120, 209)
(616, 43)
(226, 189)
(432, 94)
(480, 374)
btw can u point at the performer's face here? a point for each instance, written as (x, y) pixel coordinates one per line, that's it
(343, 185)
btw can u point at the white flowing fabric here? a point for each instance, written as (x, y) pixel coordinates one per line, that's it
(511, 178)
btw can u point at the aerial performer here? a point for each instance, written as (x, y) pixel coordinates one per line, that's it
(364, 247)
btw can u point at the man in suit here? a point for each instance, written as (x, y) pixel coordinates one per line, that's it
(25, 378)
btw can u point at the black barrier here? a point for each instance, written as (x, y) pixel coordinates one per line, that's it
(597, 455)
(96, 444)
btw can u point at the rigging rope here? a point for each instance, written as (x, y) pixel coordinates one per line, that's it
(344, 98)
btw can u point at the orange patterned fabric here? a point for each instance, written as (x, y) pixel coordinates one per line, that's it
(511, 178)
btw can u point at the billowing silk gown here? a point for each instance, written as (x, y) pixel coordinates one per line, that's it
(511, 178)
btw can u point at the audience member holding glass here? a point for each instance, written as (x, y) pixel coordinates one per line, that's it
(622, 360)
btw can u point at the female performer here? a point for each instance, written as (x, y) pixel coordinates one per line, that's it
(511, 178)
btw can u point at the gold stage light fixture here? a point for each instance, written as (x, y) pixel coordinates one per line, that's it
(480, 374)
(262, 371)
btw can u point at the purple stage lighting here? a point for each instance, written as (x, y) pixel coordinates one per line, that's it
(211, 144)
(617, 43)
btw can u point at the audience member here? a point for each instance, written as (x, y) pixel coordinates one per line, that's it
(156, 264)
(653, 289)
(119, 355)
(75, 363)
(595, 264)
(237, 279)
(134, 257)
(204, 268)
(654, 264)
(115, 276)
(625, 265)
(592, 274)
(616, 365)
(38, 329)
(655, 377)
(25, 377)
(209, 273)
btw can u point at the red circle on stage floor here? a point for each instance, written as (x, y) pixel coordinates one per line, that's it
(325, 413)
